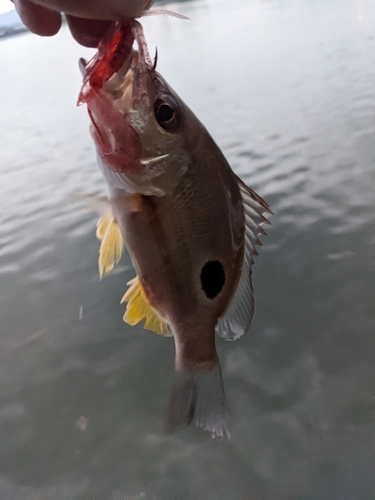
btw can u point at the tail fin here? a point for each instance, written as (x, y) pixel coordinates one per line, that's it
(198, 398)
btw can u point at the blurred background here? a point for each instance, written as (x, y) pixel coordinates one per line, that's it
(287, 89)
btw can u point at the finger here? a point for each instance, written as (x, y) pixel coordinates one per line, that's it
(39, 20)
(94, 9)
(87, 32)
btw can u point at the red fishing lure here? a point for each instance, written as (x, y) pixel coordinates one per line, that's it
(113, 50)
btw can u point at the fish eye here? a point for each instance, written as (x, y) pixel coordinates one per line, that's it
(166, 112)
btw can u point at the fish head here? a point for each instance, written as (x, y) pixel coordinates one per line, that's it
(135, 116)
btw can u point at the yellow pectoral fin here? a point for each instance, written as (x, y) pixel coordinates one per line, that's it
(138, 308)
(108, 232)
(102, 226)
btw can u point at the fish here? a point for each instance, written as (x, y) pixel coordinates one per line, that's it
(190, 225)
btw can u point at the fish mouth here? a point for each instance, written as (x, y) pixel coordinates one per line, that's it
(121, 86)
(119, 82)
(113, 58)
(118, 69)
(130, 84)
(131, 89)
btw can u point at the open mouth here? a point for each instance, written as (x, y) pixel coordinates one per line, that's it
(114, 51)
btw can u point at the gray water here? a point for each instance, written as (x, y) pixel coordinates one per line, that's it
(287, 89)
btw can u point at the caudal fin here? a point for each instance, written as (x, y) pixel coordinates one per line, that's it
(198, 398)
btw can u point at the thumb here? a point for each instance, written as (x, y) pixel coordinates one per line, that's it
(113, 10)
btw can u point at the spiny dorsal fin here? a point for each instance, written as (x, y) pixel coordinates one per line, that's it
(108, 232)
(138, 308)
(239, 314)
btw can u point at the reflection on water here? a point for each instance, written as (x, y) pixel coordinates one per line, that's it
(287, 91)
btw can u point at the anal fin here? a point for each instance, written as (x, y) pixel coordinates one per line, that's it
(139, 307)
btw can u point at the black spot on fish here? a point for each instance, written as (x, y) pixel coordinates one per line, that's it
(212, 278)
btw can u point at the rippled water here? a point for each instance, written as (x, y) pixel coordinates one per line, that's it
(288, 91)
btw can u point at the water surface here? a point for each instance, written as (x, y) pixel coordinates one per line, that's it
(288, 91)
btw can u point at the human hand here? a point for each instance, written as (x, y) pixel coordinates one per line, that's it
(88, 20)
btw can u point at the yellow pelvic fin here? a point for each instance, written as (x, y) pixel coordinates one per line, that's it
(138, 307)
(108, 232)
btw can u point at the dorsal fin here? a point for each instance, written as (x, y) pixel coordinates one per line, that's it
(139, 307)
(110, 251)
(239, 314)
